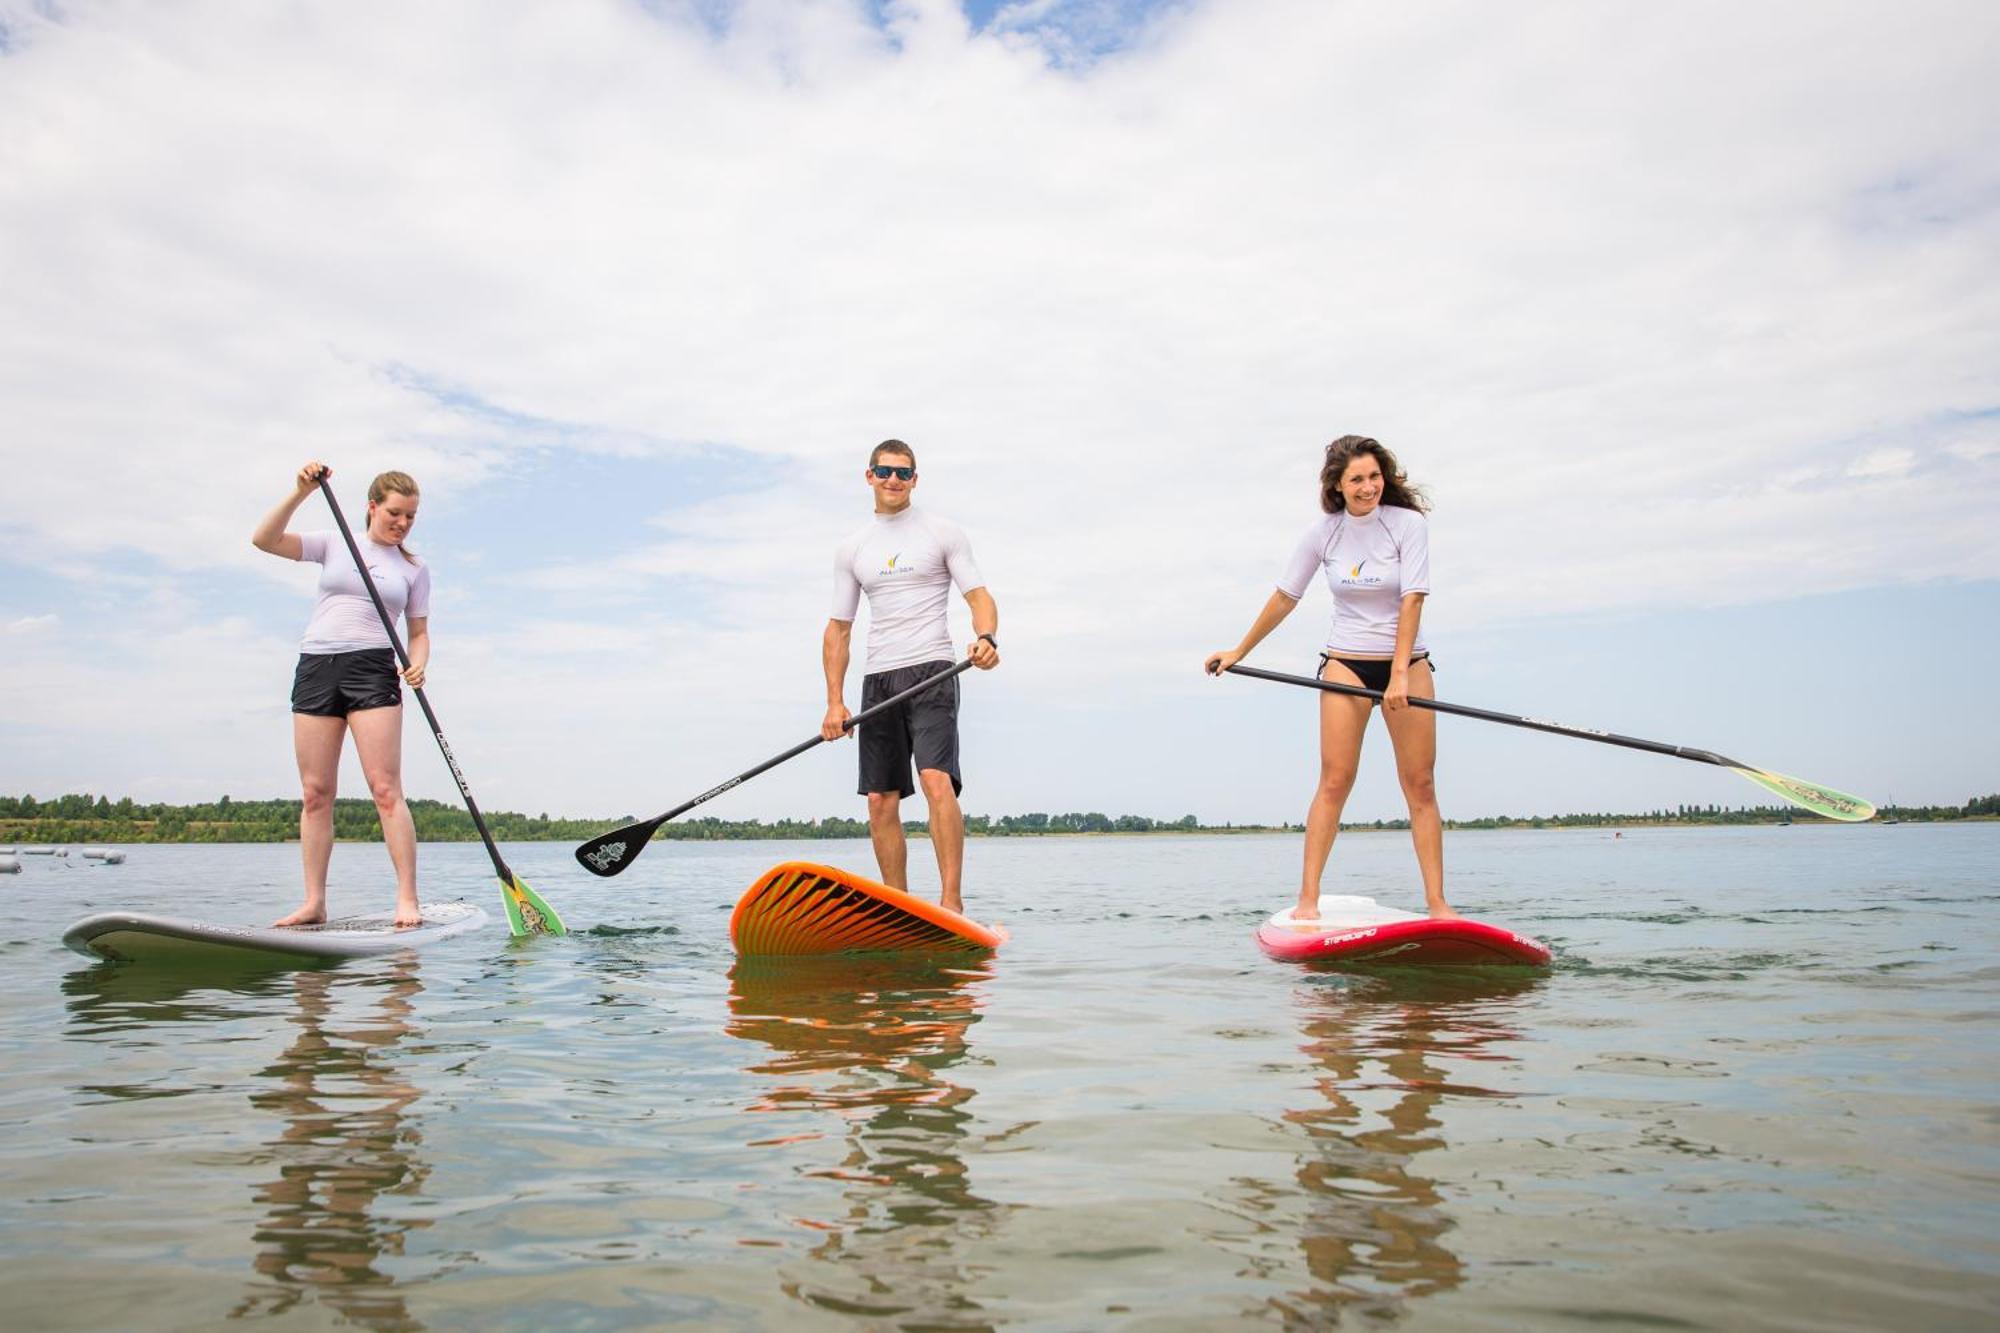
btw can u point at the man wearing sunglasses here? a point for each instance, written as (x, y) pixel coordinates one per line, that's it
(906, 561)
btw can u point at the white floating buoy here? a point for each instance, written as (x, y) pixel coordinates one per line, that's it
(9, 866)
(108, 855)
(38, 851)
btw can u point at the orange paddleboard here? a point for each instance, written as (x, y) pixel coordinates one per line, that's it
(802, 908)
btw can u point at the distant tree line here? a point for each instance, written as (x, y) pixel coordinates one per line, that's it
(86, 818)
(1979, 807)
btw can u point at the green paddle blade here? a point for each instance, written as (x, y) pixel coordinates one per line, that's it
(527, 914)
(1811, 796)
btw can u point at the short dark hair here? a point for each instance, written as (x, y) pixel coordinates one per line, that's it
(892, 447)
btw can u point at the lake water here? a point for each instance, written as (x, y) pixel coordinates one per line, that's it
(1757, 1091)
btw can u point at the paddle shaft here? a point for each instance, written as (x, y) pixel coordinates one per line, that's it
(608, 853)
(1487, 715)
(396, 642)
(803, 746)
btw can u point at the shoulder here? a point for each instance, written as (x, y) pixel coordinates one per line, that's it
(852, 542)
(1398, 519)
(1321, 530)
(940, 527)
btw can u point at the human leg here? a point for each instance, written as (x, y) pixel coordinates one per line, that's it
(1342, 721)
(1413, 731)
(316, 744)
(378, 743)
(947, 822)
(885, 830)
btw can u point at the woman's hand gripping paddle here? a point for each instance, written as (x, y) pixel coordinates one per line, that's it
(608, 853)
(1806, 795)
(527, 914)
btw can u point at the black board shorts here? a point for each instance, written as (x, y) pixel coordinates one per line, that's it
(336, 684)
(924, 729)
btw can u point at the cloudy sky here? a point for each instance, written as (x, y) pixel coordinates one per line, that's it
(1687, 316)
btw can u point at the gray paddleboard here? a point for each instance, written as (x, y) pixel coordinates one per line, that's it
(140, 936)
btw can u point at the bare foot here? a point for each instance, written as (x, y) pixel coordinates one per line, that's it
(1306, 912)
(952, 903)
(408, 914)
(305, 916)
(1443, 912)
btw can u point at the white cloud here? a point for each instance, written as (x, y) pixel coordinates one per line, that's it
(1883, 463)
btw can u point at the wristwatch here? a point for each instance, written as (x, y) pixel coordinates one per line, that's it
(990, 639)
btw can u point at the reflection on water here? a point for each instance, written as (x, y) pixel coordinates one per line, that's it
(866, 1043)
(113, 998)
(343, 1145)
(343, 1142)
(1393, 1048)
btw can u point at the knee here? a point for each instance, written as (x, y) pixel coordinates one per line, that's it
(316, 798)
(1420, 788)
(937, 786)
(885, 807)
(387, 791)
(1336, 780)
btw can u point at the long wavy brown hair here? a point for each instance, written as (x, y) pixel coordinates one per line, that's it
(402, 483)
(1396, 488)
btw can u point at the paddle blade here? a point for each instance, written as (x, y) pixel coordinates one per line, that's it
(527, 913)
(608, 853)
(1811, 796)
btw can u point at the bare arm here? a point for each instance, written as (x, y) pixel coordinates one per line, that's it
(985, 620)
(419, 648)
(835, 647)
(1275, 610)
(270, 534)
(1408, 616)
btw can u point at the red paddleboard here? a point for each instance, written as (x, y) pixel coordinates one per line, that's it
(1361, 930)
(801, 908)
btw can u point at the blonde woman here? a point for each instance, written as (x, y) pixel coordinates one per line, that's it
(347, 680)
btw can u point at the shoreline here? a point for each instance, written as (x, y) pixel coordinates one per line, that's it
(67, 833)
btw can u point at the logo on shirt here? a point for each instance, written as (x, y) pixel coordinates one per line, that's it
(1355, 579)
(890, 566)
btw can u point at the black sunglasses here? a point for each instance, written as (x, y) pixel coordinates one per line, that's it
(884, 471)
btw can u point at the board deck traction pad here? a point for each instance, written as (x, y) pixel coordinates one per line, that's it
(358, 936)
(1356, 930)
(801, 908)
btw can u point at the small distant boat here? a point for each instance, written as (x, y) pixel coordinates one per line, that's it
(110, 856)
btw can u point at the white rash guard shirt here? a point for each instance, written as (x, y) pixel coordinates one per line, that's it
(344, 620)
(907, 563)
(1371, 564)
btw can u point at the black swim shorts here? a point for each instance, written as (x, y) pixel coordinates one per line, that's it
(924, 729)
(1372, 672)
(336, 684)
